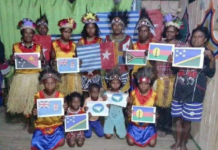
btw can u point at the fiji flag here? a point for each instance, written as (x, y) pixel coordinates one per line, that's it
(50, 107)
(135, 57)
(143, 114)
(76, 122)
(27, 61)
(68, 65)
(188, 57)
(160, 52)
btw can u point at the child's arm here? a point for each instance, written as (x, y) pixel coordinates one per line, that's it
(34, 111)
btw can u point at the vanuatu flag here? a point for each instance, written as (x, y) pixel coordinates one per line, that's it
(27, 61)
(76, 122)
(188, 57)
(135, 57)
(143, 114)
(159, 52)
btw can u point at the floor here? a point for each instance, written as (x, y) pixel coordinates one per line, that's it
(14, 137)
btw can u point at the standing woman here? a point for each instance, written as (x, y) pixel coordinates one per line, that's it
(90, 35)
(25, 81)
(166, 77)
(65, 48)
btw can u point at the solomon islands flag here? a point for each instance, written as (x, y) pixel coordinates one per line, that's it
(135, 57)
(76, 122)
(143, 114)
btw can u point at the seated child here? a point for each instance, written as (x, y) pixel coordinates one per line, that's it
(75, 137)
(49, 131)
(94, 123)
(142, 134)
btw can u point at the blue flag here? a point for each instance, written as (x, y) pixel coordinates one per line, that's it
(76, 122)
(68, 65)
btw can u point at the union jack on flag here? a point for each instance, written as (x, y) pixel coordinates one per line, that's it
(68, 65)
(44, 104)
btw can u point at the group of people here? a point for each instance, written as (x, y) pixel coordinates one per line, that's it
(176, 92)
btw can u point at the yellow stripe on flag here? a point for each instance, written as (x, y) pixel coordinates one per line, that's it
(76, 124)
(184, 61)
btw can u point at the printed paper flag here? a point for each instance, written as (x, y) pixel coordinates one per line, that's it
(68, 65)
(135, 57)
(50, 107)
(118, 99)
(143, 114)
(188, 57)
(98, 108)
(27, 61)
(159, 52)
(76, 122)
(107, 55)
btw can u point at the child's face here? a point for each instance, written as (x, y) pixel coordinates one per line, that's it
(115, 84)
(42, 29)
(75, 103)
(50, 84)
(94, 93)
(143, 87)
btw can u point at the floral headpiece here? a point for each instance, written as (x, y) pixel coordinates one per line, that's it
(26, 23)
(67, 23)
(50, 75)
(173, 21)
(89, 18)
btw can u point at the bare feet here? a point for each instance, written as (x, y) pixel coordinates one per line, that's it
(183, 147)
(161, 134)
(175, 146)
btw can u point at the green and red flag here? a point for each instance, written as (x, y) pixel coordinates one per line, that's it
(143, 114)
(135, 57)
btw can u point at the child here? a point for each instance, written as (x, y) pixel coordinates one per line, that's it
(76, 137)
(142, 134)
(116, 118)
(49, 131)
(94, 123)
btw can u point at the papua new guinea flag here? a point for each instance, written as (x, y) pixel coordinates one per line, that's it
(135, 57)
(188, 57)
(159, 52)
(143, 114)
(76, 122)
(27, 61)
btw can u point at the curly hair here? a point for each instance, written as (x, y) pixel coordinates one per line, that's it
(93, 85)
(74, 95)
(49, 71)
(203, 30)
(84, 33)
(178, 36)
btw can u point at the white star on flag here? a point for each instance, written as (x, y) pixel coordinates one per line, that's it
(106, 55)
(90, 73)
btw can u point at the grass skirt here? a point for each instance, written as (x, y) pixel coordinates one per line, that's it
(70, 83)
(21, 93)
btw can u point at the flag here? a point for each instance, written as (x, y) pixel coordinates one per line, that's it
(90, 56)
(135, 57)
(27, 61)
(68, 65)
(159, 52)
(119, 99)
(76, 122)
(188, 57)
(143, 114)
(50, 107)
(98, 108)
(107, 55)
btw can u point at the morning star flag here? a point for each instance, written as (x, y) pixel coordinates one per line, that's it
(76, 122)
(188, 57)
(143, 114)
(50, 107)
(107, 55)
(160, 52)
(135, 57)
(68, 65)
(27, 61)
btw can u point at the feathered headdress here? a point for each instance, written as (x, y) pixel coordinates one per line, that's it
(146, 74)
(145, 20)
(89, 18)
(26, 23)
(49, 73)
(118, 16)
(42, 21)
(67, 23)
(171, 20)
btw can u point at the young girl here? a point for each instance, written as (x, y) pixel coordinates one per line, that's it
(76, 137)
(49, 131)
(142, 134)
(94, 123)
(115, 118)
(65, 48)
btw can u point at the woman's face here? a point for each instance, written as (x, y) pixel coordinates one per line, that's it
(66, 33)
(198, 39)
(42, 29)
(27, 35)
(90, 29)
(171, 33)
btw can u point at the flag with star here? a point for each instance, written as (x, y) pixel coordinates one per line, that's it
(50, 107)
(188, 57)
(27, 61)
(143, 114)
(135, 57)
(107, 55)
(159, 51)
(76, 122)
(68, 65)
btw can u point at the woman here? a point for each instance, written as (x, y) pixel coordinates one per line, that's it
(25, 81)
(90, 35)
(65, 48)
